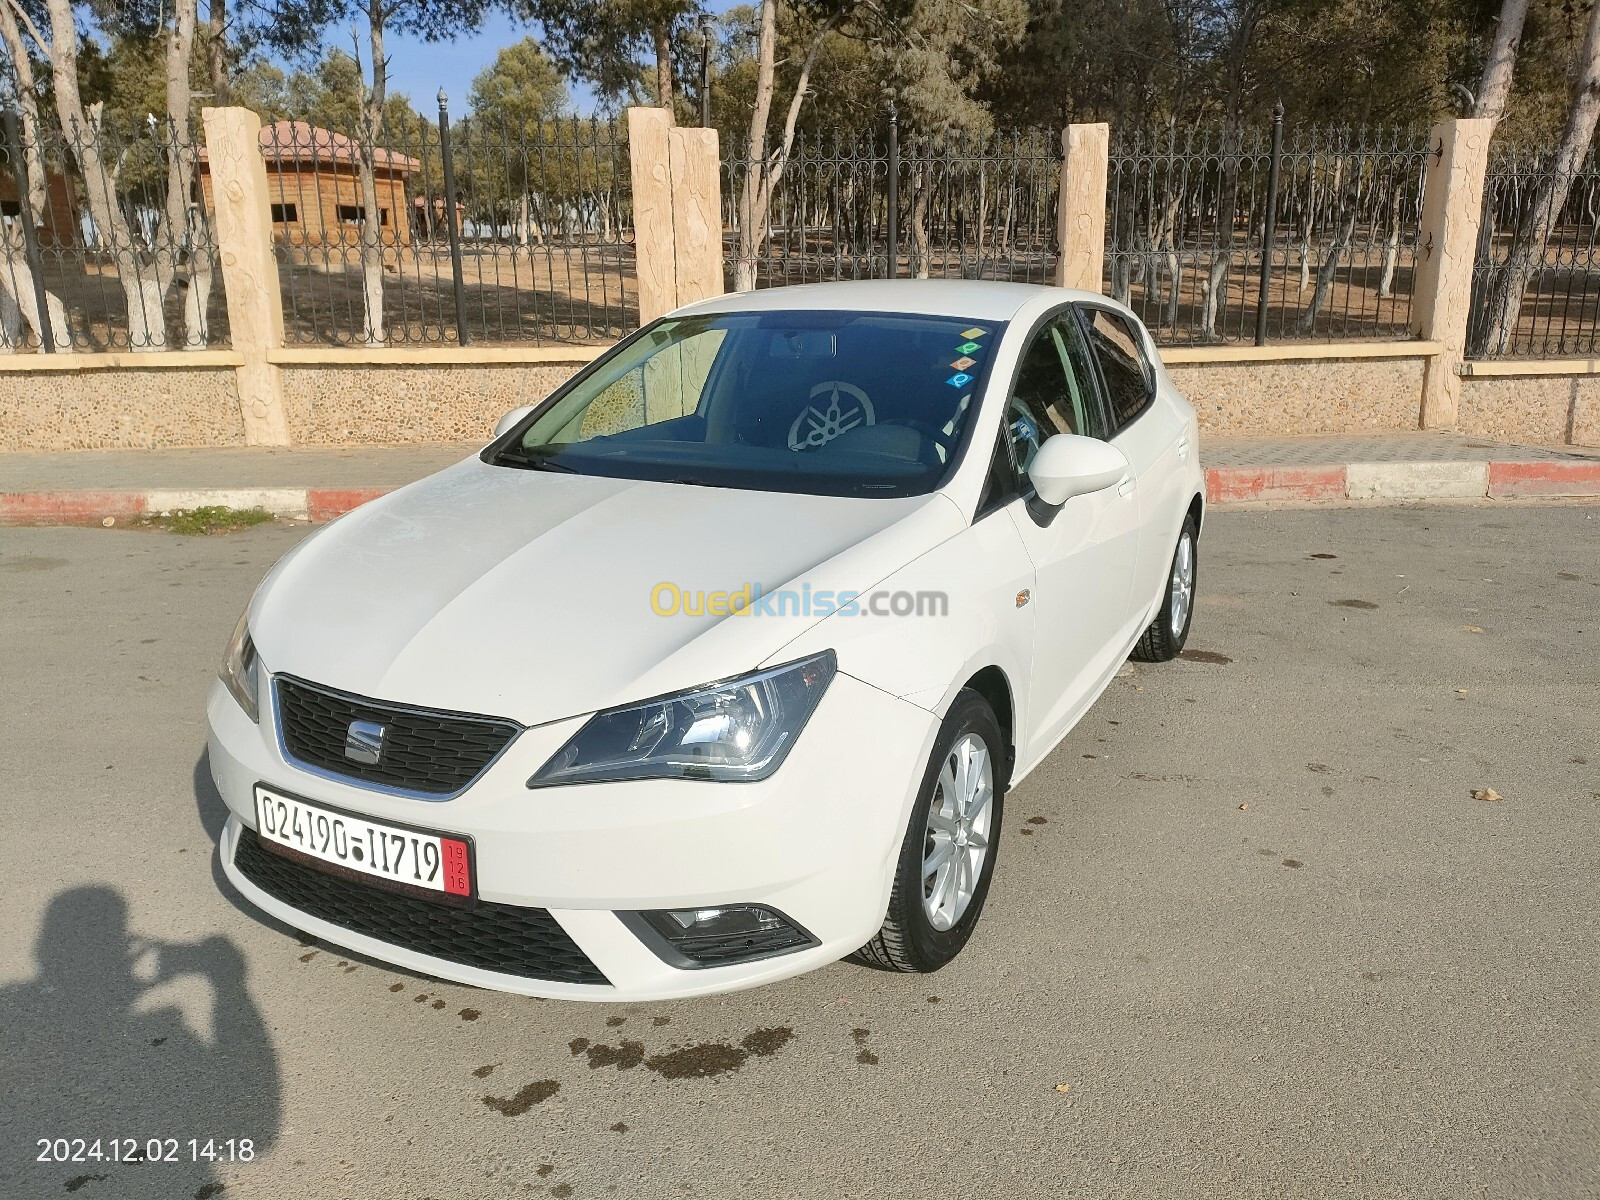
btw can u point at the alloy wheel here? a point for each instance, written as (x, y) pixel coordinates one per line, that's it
(1181, 593)
(959, 817)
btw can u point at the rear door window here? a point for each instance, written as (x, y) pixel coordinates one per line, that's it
(1120, 352)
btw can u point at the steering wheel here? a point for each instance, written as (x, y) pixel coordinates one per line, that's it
(936, 435)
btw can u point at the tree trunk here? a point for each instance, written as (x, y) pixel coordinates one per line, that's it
(1216, 289)
(367, 170)
(661, 31)
(18, 275)
(10, 321)
(217, 53)
(922, 191)
(1391, 249)
(1549, 197)
(179, 232)
(147, 328)
(1494, 87)
(1325, 276)
(763, 172)
(752, 197)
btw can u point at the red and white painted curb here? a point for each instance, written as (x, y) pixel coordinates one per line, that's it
(1395, 481)
(112, 507)
(1377, 483)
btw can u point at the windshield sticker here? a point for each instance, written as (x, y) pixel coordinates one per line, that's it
(959, 380)
(968, 347)
(962, 363)
(974, 332)
(817, 425)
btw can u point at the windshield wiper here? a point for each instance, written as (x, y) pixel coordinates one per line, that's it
(521, 458)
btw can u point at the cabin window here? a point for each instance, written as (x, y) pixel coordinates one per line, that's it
(354, 214)
(284, 213)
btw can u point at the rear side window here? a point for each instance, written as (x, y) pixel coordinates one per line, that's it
(1119, 351)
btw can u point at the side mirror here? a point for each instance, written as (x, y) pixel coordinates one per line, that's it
(511, 418)
(1068, 465)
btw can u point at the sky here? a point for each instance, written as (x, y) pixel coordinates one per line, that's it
(420, 69)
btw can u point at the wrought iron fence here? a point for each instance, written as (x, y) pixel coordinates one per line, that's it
(1536, 276)
(485, 231)
(1226, 235)
(105, 240)
(871, 205)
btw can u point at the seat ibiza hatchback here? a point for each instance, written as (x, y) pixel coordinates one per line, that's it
(716, 665)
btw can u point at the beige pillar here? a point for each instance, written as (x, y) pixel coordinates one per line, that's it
(1452, 206)
(696, 213)
(243, 227)
(649, 132)
(1081, 214)
(677, 212)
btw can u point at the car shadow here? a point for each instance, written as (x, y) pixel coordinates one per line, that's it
(122, 1049)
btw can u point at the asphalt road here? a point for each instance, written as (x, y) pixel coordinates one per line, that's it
(1251, 934)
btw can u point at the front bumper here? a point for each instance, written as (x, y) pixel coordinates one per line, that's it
(817, 841)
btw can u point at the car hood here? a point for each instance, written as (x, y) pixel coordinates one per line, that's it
(527, 594)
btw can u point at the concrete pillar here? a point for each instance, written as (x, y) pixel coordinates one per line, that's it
(1452, 207)
(677, 212)
(696, 212)
(649, 140)
(1081, 213)
(243, 227)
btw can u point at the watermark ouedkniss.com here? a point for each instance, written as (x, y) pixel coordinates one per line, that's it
(751, 600)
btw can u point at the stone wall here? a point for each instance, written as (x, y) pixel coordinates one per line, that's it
(1532, 408)
(1303, 396)
(336, 405)
(128, 408)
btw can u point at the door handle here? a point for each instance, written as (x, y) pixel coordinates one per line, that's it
(1125, 487)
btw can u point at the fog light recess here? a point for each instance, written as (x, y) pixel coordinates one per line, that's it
(693, 938)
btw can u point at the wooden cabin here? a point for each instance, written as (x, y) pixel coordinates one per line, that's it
(315, 191)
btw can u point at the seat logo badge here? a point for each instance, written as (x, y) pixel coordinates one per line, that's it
(363, 742)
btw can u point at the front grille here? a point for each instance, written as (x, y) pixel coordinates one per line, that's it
(433, 753)
(506, 938)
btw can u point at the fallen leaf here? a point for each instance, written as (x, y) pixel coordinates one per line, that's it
(1245, 807)
(1063, 1087)
(1461, 691)
(1472, 629)
(1488, 794)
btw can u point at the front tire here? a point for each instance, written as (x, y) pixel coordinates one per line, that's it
(947, 859)
(1164, 640)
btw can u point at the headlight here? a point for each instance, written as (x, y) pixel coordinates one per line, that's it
(241, 668)
(737, 731)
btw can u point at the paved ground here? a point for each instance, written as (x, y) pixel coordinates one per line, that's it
(1366, 983)
(1386, 446)
(305, 466)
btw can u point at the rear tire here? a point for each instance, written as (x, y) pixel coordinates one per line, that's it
(936, 901)
(1165, 638)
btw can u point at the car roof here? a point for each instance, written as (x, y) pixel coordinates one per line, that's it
(973, 299)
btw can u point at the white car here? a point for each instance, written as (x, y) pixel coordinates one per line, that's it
(716, 665)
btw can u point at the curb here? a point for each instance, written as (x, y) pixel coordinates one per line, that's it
(1376, 483)
(1403, 481)
(101, 507)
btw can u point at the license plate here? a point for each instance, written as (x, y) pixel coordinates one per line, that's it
(385, 853)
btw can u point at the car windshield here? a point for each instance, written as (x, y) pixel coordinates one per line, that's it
(826, 403)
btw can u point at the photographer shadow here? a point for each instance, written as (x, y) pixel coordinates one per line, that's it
(120, 1036)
